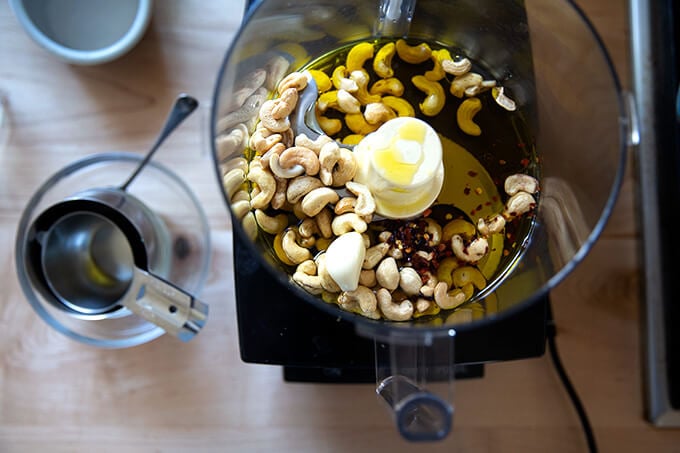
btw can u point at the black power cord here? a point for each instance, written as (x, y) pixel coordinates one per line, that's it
(551, 333)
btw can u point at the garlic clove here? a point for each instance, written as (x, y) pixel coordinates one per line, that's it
(344, 258)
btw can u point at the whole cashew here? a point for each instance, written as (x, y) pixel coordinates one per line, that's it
(518, 204)
(330, 126)
(314, 145)
(378, 113)
(361, 79)
(348, 222)
(435, 99)
(340, 80)
(323, 82)
(463, 82)
(327, 100)
(323, 221)
(240, 208)
(401, 311)
(445, 270)
(281, 172)
(448, 300)
(263, 139)
(231, 143)
(391, 86)
(348, 103)
(337, 165)
(358, 55)
(279, 200)
(520, 183)
(427, 289)
(317, 199)
(468, 274)
(365, 204)
(502, 100)
(344, 205)
(434, 232)
(266, 159)
(297, 80)
(267, 184)
(491, 225)
(299, 155)
(458, 67)
(271, 225)
(250, 225)
(423, 305)
(458, 226)
(300, 186)
(269, 121)
(285, 104)
(437, 72)
(233, 180)
(471, 253)
(363, 296)
(410, 281)
(413, 54)
(358, 124)
(400, 105)
(465, 116)
(382, 63)
(387, 274)
(308, 227)
(310, 283)
(293, 251)
(374, 255)
(367, 278)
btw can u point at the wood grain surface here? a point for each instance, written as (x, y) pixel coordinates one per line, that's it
(57, 395)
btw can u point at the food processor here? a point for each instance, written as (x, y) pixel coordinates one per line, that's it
(549, 60)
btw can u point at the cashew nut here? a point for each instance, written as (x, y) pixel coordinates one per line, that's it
(330, 126)
(314, 145)
(263, 139)
(458, 226)
(463, 82)
(299, 155)
(285, 104)
(279, 200)
(413, 54)
(468, 274)
(520, 183)
(457, 67)
(365, 204)
(345, 204)
(310, 283)
(374, 255)
(294, 252)
(231, 143)
(387, 273)
(240, 208)
(518, 204)
(297, 80)
(266, 158)
(448, 300)
(394, 311)
(250, 225)
(491, 225)
(317, 199)
(378, 113)
(400, 106)
(471, 253)
(327, 100)
(382, 63)
(300, 186)
(341, 81)
(358, 124)
(277, 245)
(465, 114)
(276, 67)
(367, 278)
(410, 281)
(363, 296)
(361, 79)
(308, 227)
(435, 99)
(358, 55)
(232, 181)
(269, 224)
(323, 82)
(427, 289)
(347, 222)
(348, 103)
(269, 121)
(502, 100)
(281, 172)
(434, 232)
(437, 72)
(323, 221)
(352, 139)
(391, 86)
(267, 185)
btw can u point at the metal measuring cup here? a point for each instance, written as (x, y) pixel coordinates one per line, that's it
(88, 254)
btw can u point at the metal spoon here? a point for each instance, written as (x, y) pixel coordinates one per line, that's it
(183, 107)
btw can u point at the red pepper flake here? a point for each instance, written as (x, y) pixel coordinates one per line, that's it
(478, 208)
(494, 198)
(427, 212)
(472, 173)
(506, 252)
(524, 162)
(521, 145)
(467, 190)
(502, 162)
(488, 203)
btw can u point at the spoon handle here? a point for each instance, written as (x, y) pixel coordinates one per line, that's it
(183, 107)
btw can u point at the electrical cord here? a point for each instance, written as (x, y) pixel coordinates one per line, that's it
(551, 332)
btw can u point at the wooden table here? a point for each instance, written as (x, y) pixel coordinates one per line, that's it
(59, 395)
